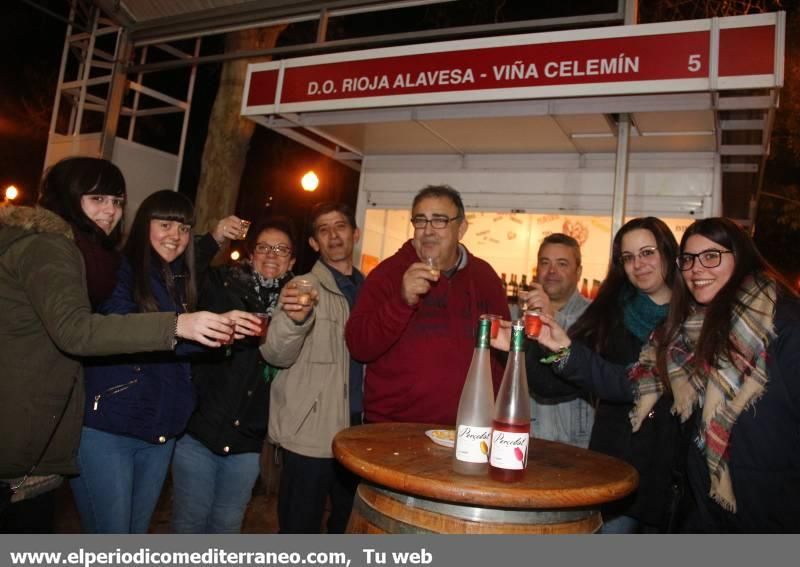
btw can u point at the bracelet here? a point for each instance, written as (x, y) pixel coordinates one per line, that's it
(558, 358)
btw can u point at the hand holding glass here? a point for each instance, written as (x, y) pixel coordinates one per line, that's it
(245, 324)
(533, 322)
(433, 265)
(264, 322)
(245, 226)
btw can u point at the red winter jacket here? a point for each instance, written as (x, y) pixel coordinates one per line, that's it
(418, 356)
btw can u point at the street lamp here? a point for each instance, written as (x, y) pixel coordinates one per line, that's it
(310, 181)
(11, 193)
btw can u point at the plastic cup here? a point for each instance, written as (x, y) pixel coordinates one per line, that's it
(245, 226)
(264, 322)
(533, 323)
(304, 289)
(495, 328)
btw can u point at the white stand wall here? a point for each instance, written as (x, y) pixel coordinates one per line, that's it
(658, 184)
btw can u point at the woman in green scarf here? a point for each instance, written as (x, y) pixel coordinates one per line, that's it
(596, 355)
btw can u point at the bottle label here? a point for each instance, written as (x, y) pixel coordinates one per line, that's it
(509, 450)
(473, 443)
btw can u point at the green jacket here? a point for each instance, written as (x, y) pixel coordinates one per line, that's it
(46, 324)
(308, 403)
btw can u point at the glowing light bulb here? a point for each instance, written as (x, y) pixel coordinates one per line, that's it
(11, 193)
(310, 181)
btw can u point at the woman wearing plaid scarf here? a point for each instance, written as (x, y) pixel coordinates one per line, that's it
(731, 359)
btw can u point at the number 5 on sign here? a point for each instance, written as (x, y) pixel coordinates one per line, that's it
(694, 63)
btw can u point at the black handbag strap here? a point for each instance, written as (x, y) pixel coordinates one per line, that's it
(49, 440)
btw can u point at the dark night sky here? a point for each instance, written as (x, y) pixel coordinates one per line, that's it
(31, 46)
(30, 52)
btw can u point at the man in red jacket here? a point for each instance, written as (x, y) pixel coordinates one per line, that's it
(415, 319)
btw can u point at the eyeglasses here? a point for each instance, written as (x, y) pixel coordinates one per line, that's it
(645, 252)
(436, 222)
(708, 259)
(279, 249)
(117, 202)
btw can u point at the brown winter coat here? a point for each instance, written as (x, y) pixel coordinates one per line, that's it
(45, 324)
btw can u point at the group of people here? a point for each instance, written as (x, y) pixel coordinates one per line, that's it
(690, 355)
(124, 361)
(96, 345)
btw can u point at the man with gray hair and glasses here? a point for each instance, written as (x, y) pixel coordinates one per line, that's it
(414, 322)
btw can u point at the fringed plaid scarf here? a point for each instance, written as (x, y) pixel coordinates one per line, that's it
(723, 391)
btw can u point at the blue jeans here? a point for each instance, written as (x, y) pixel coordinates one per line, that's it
(120, 481)
(210, 491)
(619, 525)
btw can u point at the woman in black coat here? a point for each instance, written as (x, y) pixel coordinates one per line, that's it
(216, 462)
(602, 344)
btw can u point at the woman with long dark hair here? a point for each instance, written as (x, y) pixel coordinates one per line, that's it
(136, 406)
(90, 194)
(729, 356)
(596, 354)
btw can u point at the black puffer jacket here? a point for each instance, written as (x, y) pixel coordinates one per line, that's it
(231, 384)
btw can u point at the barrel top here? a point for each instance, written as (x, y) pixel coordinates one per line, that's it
(400, 457)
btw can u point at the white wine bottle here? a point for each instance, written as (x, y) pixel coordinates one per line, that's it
(512, 415)
(475, 410)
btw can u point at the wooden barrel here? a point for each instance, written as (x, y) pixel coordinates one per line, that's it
(408, 486)
(378, 510)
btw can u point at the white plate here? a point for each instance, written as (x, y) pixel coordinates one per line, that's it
(443, 437)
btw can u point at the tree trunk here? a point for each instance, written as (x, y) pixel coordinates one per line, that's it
(229, 134)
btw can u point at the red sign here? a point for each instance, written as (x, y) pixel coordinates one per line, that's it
(747, 51)
(594, 64)
(263, 87)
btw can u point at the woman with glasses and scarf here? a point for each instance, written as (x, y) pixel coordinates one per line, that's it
(730, 357)
(596, 354)
(216, 462)
(136, 405)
